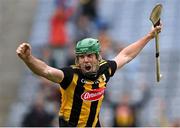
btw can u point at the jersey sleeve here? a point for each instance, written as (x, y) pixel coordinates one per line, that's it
(68, 75)
(112, 67)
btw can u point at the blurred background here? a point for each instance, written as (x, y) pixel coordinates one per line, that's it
(132, 98)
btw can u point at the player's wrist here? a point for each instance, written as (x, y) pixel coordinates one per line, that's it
(150, 35)
(28, 58)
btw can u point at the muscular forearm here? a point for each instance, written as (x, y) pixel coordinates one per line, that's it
(133, 50)
(36, 66)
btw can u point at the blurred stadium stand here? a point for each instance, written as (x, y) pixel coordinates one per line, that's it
(16, 18)
(129, 20)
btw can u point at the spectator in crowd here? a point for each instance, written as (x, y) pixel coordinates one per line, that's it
(58, 35)
(125, 112)
(89, 8)
(37, 115)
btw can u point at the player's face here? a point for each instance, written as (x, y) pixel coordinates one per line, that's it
(88, 62)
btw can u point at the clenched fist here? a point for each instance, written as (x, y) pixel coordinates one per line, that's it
(24, 51)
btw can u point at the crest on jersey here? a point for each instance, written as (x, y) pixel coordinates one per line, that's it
(103, 77)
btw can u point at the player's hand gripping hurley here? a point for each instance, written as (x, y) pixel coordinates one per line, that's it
(155, 19)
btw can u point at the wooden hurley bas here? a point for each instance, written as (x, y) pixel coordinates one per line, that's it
(155, 19)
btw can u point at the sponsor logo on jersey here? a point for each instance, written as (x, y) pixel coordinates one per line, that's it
(93, 95)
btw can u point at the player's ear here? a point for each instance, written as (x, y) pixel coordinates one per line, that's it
(99, 58)
(76, 61)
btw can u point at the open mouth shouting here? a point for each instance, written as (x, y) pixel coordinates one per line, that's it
(87, 68)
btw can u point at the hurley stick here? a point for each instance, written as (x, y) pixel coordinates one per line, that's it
(155, 19)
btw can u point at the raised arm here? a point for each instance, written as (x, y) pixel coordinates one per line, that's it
(131, 51)
(37, 66)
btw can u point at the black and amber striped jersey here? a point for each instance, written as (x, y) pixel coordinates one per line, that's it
(81, 96)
